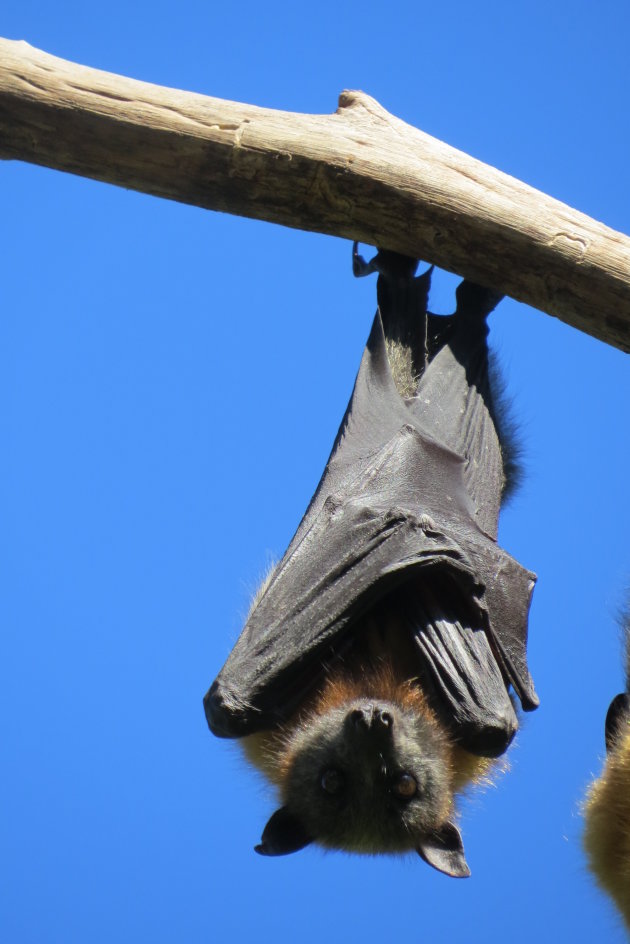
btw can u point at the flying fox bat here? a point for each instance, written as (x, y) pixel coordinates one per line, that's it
(371, 679)
(607, 807)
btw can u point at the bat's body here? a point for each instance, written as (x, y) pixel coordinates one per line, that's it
(607, 808)
(371, 679)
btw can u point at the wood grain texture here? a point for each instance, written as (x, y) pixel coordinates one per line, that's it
(359, 173)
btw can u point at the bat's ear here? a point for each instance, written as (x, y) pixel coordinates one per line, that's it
(616, 719)
(444, 850)
(283, 834)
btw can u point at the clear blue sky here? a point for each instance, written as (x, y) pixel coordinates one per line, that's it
(170, 384)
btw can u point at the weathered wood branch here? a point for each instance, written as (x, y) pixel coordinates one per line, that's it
(359, 173)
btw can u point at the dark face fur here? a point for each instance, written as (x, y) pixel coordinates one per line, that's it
(366, 772)
(368, 776)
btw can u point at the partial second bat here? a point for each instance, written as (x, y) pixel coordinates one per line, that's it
(607, 806)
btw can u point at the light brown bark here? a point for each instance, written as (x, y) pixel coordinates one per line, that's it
(359, 173)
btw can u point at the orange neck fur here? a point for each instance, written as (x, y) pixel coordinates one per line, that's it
(268, 750)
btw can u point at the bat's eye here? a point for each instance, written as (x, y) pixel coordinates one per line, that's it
(332, 781)
(405, 786)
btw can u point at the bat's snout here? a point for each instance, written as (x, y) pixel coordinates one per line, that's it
(371, 717)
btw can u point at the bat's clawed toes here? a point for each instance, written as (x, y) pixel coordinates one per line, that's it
(359, 266)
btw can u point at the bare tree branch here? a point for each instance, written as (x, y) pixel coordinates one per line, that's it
(359, 173)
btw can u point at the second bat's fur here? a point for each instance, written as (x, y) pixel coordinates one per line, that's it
(607, 807)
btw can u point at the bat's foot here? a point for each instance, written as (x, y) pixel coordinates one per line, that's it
(391, 265)
(359, 266)
(475, 301)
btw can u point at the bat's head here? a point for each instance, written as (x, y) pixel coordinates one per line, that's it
(368, 775)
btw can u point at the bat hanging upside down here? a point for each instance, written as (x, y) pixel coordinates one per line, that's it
(607, 807)
(371, 680)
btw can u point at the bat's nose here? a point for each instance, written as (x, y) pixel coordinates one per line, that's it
(371, 717)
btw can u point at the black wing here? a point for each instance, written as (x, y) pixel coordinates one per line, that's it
(411, 490)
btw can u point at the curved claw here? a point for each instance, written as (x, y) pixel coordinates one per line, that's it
(390, 264)
(359, 266)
